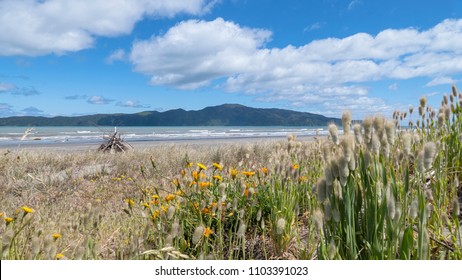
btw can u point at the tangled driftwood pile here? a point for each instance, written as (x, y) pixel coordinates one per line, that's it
(114, 144)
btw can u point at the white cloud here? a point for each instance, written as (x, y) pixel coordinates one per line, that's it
(131, 104)
(117, 55)
(99, 100)
(353, 4)
(38, 27)
(195, 54)
(6, 87)
(393, 87)
(440, 81)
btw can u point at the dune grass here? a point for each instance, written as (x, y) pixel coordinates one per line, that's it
(384, 189)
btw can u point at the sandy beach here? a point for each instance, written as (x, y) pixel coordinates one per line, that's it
(94, 145)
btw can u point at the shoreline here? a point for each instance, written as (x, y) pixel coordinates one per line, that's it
(141, 144)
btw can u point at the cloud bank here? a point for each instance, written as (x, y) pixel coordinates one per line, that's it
(39, 27)
(327, 73)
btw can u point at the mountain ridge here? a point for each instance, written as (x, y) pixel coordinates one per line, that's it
(220, 115)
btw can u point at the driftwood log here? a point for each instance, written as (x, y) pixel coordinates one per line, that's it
(114, 144)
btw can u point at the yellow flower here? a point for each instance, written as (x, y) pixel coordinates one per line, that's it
(179, 192)
(218, 177)
(155, 196)
(189, 164)
(207, 232)
(248, 173)
(1, 214)
(56, 236)
(145, 205)
(8, 220)
(175, 182)
(295, 166)
(302, 179)
(59, 256)
(234, 173)
(27, 209)
(264, 170)
(205, 211)
(201, 166)
(155, 214)
(204, 184)
(217, 166)
(169, 197)
(164, 208)
(130, 202)
(195, 175)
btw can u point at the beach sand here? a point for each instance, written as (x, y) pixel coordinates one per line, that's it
(89, 146)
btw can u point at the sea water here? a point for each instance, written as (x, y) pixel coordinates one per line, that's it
(11, 135)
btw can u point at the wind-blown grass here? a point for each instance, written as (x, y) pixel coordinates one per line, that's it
(379, 191)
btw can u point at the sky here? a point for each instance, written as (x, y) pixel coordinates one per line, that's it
(79, 57)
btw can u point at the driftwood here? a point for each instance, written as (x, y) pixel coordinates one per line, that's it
(114, 144)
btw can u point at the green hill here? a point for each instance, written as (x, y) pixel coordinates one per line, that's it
(223, 115)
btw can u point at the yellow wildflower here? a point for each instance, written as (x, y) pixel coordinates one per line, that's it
(169, 197)
(56, 236)
(8, 220)
(145, 205)
(175, 182)
(201, 166)
(192, 183)
(164, 208)
(27, 209)
(264, 170)
(59, 256)
(155, 214)
(217, 166)
(183, 173)
(1, 214)
(234, 173)
(195, 175)
(295, 166)
(204, 184)
(248, 173)
(189, 164)
(207, 232)
(179, 192)
(205, 211)
(302, 179)
(155, 196)
(130, 202)
(218, 177)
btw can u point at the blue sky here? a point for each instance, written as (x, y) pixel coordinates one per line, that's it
(75, 57)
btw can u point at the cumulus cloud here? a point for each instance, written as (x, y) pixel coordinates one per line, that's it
(38, 27)
(15, 90)
(193, 53)
(196, 53)
(99, 100)
(131, 104)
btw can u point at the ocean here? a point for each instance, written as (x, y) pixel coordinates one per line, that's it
(11, 135)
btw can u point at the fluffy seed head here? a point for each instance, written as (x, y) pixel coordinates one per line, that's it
(378, 124)
(423, 101)
(429, 154)
(333, 131)
(280, 226)
(367, 124)
(447, 112)
(455, 207)
(454, 90)
(414, 209)
(332, 249)
(420, 162)
(375, 144)
(197, 234)
(358, 135)
(385, 146)
(318, 218)
(407, 140)
(321, 189)
(346, 122)
(390, 131)
(441, 119)
(390, 203)
(348, 143)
